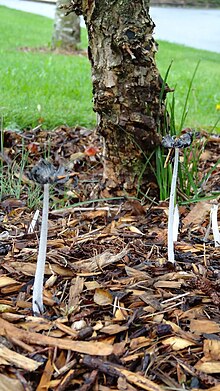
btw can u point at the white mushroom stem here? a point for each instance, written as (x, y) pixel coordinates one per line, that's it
(176, 221)
(172, 208)
(214, 222)
(37, 303)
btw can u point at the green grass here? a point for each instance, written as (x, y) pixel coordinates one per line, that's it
(58, 84)
(205, 93)
(56, 89)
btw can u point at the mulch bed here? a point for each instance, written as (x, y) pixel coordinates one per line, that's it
(117, 315)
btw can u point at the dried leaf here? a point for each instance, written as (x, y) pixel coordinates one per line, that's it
(92, 285)
(12, 203)
(208, 366)
(131, 272)
(91, 215)
(5, 308)
(76, 289)
(197, 215)
(139, 342)
(99, 261)
(211, 349)
(102, 297)
(201, 326)
(120, 314)
(186, 247)
(135, 230)
(5, 281)
(113, 329)
(30, 268)
(177, 343)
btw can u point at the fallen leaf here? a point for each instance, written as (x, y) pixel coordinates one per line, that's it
(135, 230)
(12, 203)
(75, 291)
(100, 261)
(201, 326)
(30, 268)
(5, 308)
(211, 349)
(139, 274)
(186, 247)
(197, 215)
(113, 329)
(139, 342)
(92, 285)
(102, 297)
(134, 207)
(5, 281)
(208, 366)
(120, 314)
(177, 343)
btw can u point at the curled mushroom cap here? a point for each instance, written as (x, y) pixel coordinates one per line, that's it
(44, 172)
(183, 141)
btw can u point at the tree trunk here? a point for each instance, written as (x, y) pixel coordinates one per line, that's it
(66, 33)
(126, 87)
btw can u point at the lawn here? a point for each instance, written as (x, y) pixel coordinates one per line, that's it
(53, 89)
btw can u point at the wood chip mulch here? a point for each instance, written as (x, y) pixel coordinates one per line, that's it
(117, 315)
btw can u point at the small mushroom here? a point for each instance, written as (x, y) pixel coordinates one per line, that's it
(43, 173)
(175, 144)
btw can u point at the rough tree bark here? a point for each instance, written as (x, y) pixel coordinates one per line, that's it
(66, 34)
(126, 86)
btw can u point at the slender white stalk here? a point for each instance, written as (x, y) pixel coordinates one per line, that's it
(176, 221)
(37, 303)
(214, 221)
(171, 208)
